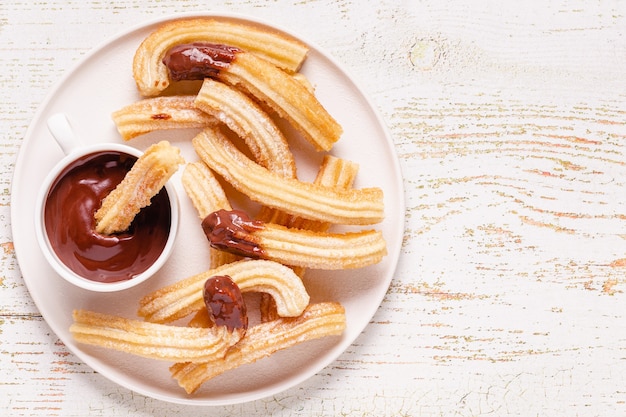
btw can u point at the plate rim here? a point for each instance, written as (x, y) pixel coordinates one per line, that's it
(397, 175)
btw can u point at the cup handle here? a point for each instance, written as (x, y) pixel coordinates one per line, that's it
(62, 132)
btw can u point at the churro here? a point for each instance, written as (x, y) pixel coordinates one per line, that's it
(234, 231)
(207, 195)
(204, 190)
(318, 320)
(329, 204)
(151, 340)
(152, 76)
(249, 122)
(184, 297)
(160, 113)
(144, 180)
(288, 97)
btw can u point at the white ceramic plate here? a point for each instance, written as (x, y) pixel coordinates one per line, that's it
(101, 83)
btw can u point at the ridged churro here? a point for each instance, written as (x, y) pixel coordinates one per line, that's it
(184, 297)
(234, 231)
(285, 95)
(152, 76)
(204, 190)
(318, 320)
(160, 113)
(207, 195)
(288, 97)
(144, 180)
(249, 122)
(329, 204)
(151, 340)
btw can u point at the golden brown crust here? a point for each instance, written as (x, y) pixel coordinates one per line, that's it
(160, 113)
(354, 206)
(318, 320)
(145, 179)
(152, 76)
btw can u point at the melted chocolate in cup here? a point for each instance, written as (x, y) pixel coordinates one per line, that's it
(74, 197)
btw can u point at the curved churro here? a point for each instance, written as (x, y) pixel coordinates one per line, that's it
(250, 122)
(152, 76)
(354, 206)
(185, 297)
(318, 320)
(160, 113)
(144, 180)
(151, 340)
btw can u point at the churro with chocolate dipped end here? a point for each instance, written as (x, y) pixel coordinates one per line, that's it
(207, 196)
(160, 113)
(152, 76)
(288, 97)
(150, 340)
(184, 297)
(144, 180)
(328, 204)
(234, 231)
(318, 320)
(249, 122)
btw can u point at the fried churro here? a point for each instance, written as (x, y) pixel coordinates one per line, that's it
(160, 113)
(249, 122)
(329, 204)
(207, 195)
(144, 180)
(318, 320)
(184, 297)
(234, 231)
(151, 340)
(288, 97)
(152, 76)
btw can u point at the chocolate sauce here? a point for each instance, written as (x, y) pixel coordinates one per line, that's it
(74, 198)
(225, 303)
(199, 60)
(231, 231)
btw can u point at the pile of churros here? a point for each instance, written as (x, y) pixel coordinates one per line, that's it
(248, 77)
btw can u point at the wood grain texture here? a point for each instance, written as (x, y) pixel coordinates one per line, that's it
(509, 120)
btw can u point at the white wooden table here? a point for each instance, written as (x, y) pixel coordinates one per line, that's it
(509, 119)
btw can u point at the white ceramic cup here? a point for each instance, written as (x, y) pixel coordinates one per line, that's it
(62, 132)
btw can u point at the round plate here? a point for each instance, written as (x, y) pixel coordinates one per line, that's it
(102, 83)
